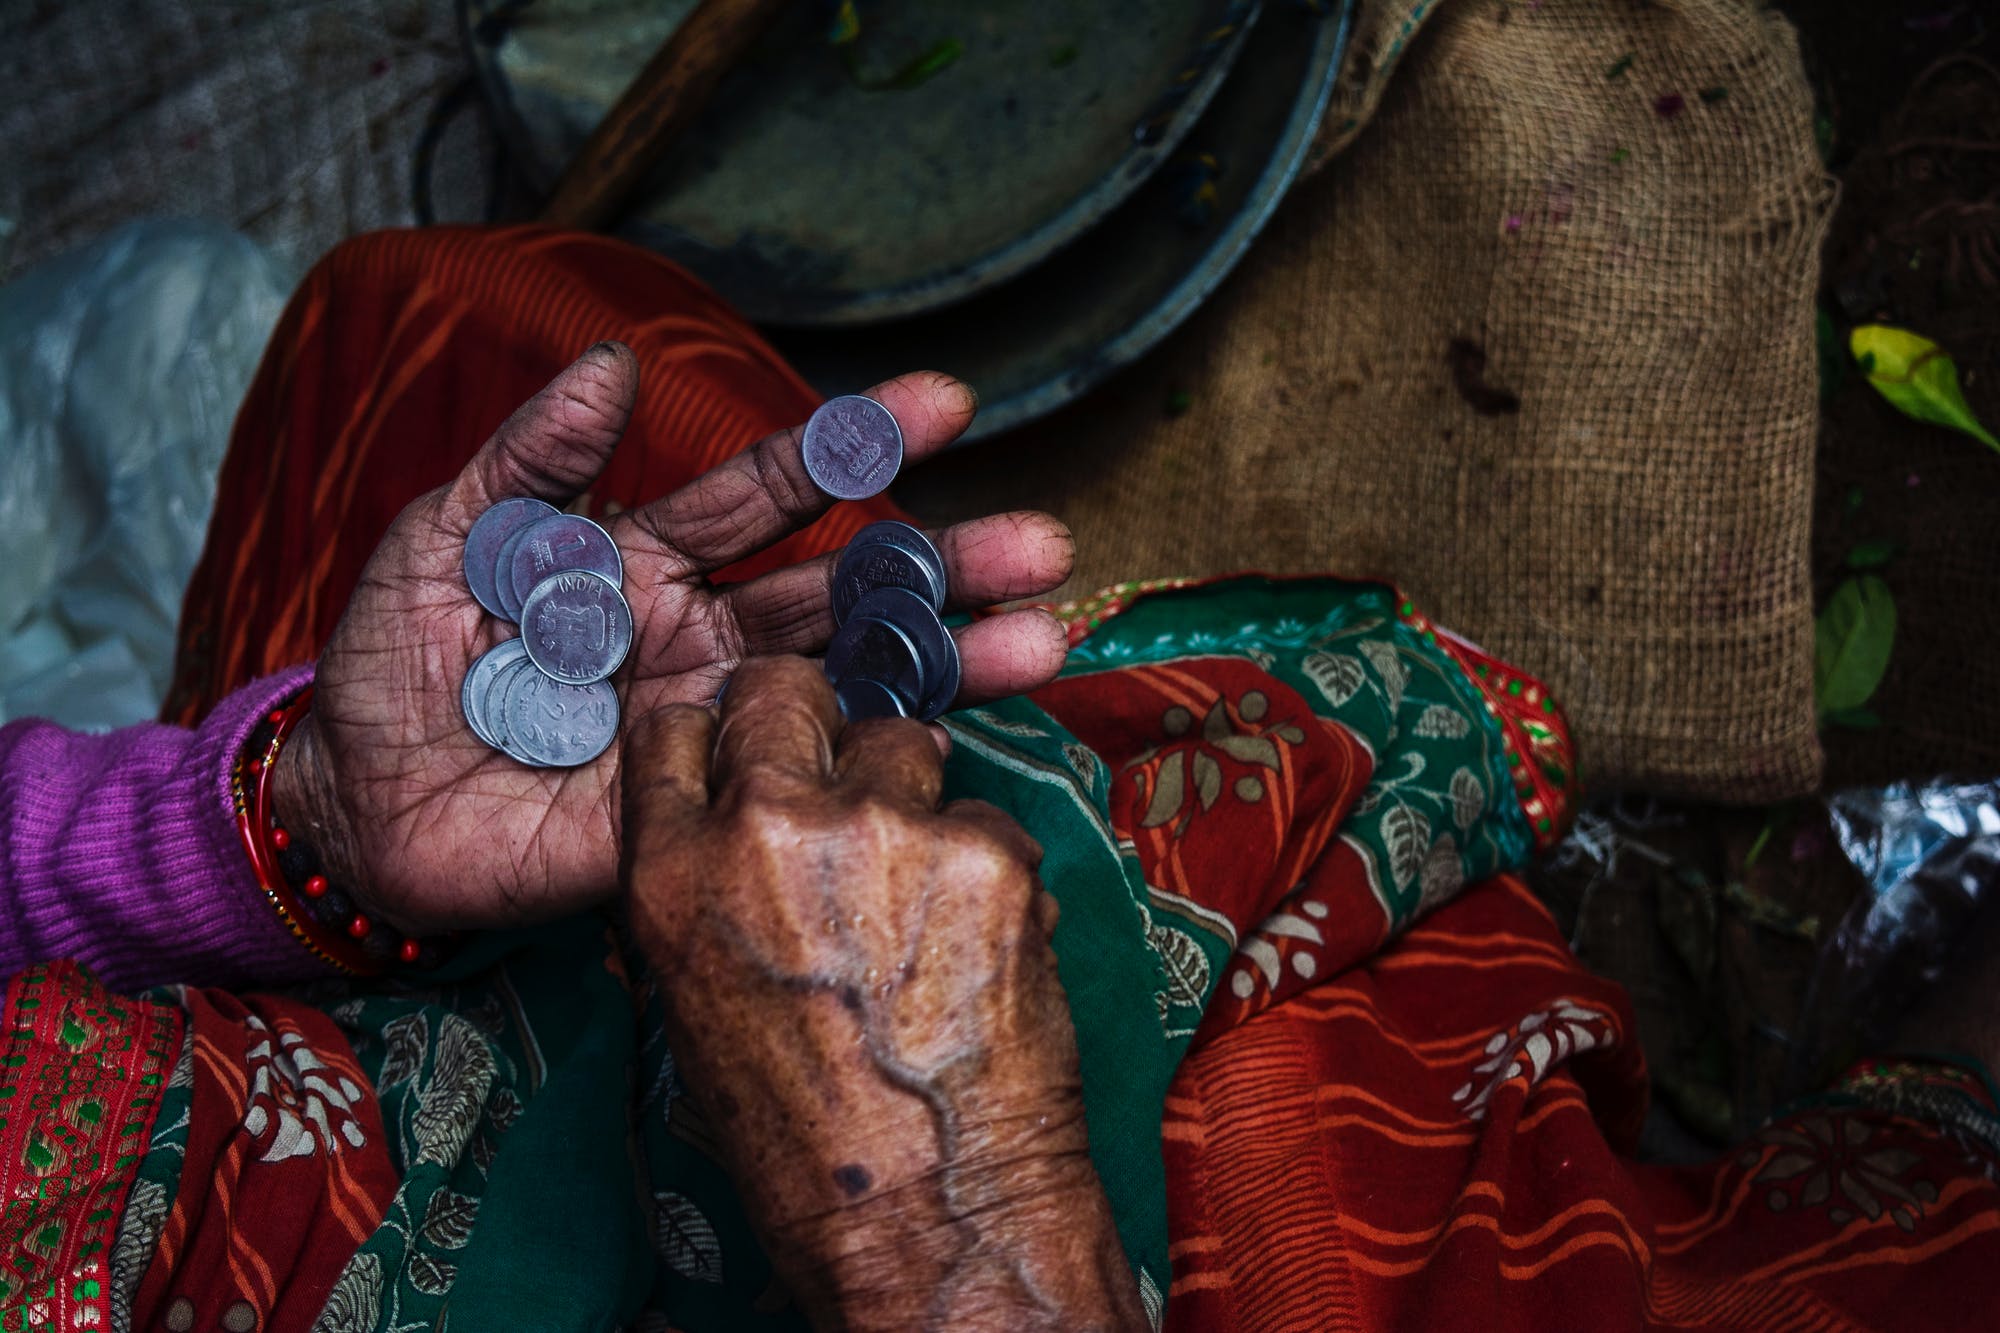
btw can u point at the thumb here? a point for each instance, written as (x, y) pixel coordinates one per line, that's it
(557, 442)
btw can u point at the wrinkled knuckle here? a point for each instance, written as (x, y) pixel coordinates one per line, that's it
(980, 852)
(873, 816)
(787, 680)
(755, 816)
(781, 474)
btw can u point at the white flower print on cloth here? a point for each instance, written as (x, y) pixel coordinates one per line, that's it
(1532, 1047)
(1281, 935)
(299, 1104)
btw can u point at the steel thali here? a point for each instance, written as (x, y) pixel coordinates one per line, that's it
(1087, 277)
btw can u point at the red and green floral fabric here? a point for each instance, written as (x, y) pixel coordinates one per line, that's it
(1340, 1068)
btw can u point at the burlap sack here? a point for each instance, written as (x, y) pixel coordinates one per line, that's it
(1538, 346)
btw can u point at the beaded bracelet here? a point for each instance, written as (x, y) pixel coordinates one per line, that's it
(319, 915)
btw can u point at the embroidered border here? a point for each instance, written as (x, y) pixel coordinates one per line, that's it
(1956, 1096)
(81, 1071)
(1541, 753)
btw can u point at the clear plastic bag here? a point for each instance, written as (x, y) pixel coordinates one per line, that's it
(122, 365)
(1930, 853)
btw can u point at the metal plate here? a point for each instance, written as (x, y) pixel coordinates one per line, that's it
(1044, 339)
(808, 197)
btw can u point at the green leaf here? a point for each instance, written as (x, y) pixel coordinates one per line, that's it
(1872, 554)
(1917, 378)
(846, 25)
(1060, 56)
(1768, 913)
(1851, 643)
(1855, 719)
(921, 70)
(1757, 847)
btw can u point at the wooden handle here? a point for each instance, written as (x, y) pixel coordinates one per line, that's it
(667, 95)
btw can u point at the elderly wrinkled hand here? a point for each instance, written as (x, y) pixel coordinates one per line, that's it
(863, 1001)
(431, 827)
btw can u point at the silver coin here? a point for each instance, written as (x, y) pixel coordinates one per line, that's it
(479, 679)
(860, 697)
(937, 651)
(469, 707)
(557, 543)
(488, 535)
(503, 578)
(862, 569)
(853, 447)
(877, 650)
(889, 532)
(553, 725)
(577, 626)
(493, 709)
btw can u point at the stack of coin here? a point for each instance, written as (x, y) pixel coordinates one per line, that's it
(892, 656)
(542, 699)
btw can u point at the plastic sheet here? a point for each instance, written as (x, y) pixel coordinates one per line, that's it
(121, 369)
(1930, 854)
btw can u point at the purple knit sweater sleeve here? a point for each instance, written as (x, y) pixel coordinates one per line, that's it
(121, 851)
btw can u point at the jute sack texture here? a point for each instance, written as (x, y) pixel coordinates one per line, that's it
(1535, 342)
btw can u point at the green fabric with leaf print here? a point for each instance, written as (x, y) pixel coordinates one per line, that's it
(556, 1176)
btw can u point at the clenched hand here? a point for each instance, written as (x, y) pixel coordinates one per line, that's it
(862, 999)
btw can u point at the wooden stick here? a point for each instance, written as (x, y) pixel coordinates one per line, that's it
(662, 101)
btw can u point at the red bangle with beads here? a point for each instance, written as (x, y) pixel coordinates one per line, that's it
(320, 916)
